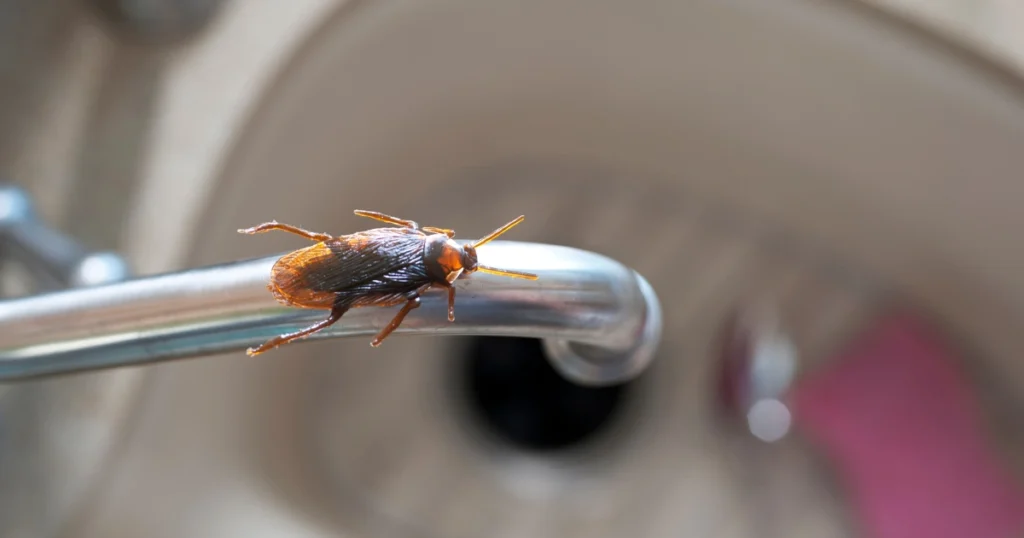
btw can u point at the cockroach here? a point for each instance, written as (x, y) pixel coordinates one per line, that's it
(379, 267)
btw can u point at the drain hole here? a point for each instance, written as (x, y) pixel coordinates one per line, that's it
(513, 390)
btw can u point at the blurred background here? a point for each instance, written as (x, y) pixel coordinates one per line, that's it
(824, 194)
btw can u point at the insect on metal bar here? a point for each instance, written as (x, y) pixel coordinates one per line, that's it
(378, 267)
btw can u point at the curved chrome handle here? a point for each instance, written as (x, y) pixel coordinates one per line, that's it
(600, 320)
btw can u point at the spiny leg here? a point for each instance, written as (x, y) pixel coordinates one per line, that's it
(276, 341)
(410, 305)
(274, 225)
(451, 302)
(387, 218)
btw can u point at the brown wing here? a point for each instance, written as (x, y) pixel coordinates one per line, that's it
(373, 267)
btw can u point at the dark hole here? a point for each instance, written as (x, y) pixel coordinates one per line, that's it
(513, 390)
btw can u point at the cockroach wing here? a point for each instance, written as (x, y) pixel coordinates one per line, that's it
(353, 269)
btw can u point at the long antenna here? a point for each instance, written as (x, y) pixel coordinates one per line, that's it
(506, 272)
(493, 235)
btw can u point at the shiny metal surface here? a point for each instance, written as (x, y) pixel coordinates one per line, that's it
(759, 362)
(601, 320)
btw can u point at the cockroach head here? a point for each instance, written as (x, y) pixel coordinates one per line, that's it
(469, 259)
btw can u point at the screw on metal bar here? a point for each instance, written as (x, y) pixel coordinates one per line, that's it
(54, 260)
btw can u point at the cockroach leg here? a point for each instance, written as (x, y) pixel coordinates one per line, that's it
(387, 218)
(451, 302)
(276, 341)
(274, 225)
(446, 231)
(410, 305)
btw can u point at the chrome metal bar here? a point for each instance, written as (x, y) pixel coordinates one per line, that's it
(600, 320)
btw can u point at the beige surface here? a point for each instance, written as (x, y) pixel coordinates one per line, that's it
(223, 445)
(992, 27)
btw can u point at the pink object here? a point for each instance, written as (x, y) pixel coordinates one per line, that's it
(903, 428)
